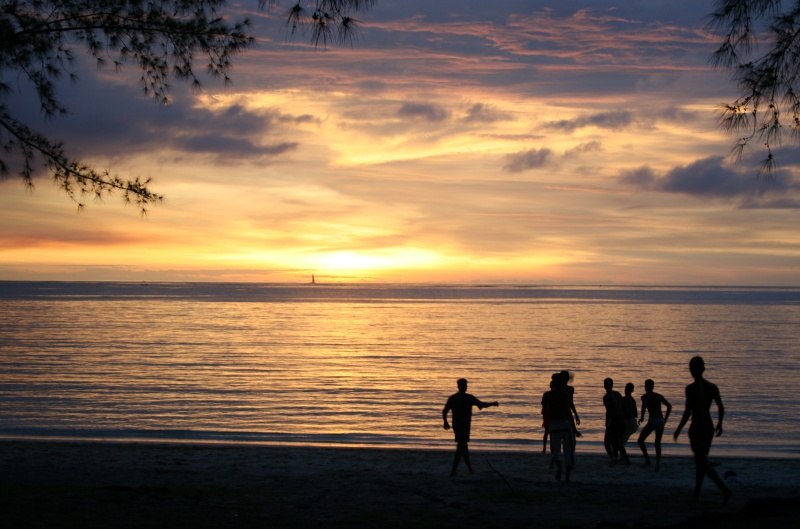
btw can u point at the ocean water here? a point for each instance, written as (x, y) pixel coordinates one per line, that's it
(372, 365)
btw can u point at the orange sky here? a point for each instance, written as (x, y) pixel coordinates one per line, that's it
(455, 141)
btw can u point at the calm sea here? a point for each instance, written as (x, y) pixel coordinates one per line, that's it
(372, 365)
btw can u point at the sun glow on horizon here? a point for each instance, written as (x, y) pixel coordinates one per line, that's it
(355, 261)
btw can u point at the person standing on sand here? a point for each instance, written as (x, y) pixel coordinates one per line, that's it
(629, 413)
(556, 405)
(461, 403)
(567, 377)
(652, 401)
(546, 418)
(615, 424)
(699, 396)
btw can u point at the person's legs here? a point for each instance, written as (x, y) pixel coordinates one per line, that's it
(703, 467)
(462, 451)
(569, 453)
(726, 492)
(556, 441)
(608, 446)
(456, 460)
(574, 446)
(659, 435)
(708, 469)
(465, 455)
(617, 439)
(618, 443)
(700, 439)
(623, 454)
(544, 439)
(642, 438)
(700, 464)
(544, 443)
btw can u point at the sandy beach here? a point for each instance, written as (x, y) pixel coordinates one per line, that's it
(136, 485)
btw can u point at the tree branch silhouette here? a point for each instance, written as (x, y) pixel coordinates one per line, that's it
(769, 96)
(164, 39)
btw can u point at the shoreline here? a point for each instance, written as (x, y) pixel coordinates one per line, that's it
(588, 448)
(155, 484)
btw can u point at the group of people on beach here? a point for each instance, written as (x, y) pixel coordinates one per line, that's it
(622, 421)
(560, 422)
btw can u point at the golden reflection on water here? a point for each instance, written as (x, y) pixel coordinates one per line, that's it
(379, 368)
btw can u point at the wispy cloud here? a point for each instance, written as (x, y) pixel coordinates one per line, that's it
(423, 111)
(481, 113)
(526, 160)
(519, 139)
(614, 120)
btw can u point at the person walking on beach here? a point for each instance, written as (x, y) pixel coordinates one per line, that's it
(546, 419)
(699, 396)
(556, 406)
(629, 413)
(652, 401)
(461, 404)
(615, 424)
(567, 378)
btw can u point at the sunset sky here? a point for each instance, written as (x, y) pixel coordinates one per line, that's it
(473, 141)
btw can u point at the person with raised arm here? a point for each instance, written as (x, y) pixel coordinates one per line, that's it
(461, 404)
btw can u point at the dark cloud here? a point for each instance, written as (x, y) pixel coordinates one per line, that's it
(372, 86)
(536, 158)
(605, 120)
(523, 161)
(112, 119)
(225, 147)
(584, 148)
(641, 178)
(679, 115)
(423, 111)
(711, 178)
(480, 113)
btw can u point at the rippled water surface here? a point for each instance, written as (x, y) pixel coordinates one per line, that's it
(374, 364)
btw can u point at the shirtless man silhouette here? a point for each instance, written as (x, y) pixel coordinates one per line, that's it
(629, 413)
(699, 396)
(461, 404)
(652, 401)
(615, 425)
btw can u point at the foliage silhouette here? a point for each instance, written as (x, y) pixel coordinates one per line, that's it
(164, 39)
(768, 84)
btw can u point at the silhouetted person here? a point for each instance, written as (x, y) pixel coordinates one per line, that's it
(556, 404)
(461, 403)
(629, 413)
(615, 424)
(652, 401)
(546, 418)
(567, 378)
(699, 396)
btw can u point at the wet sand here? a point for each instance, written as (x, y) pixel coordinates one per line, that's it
(136, 485)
